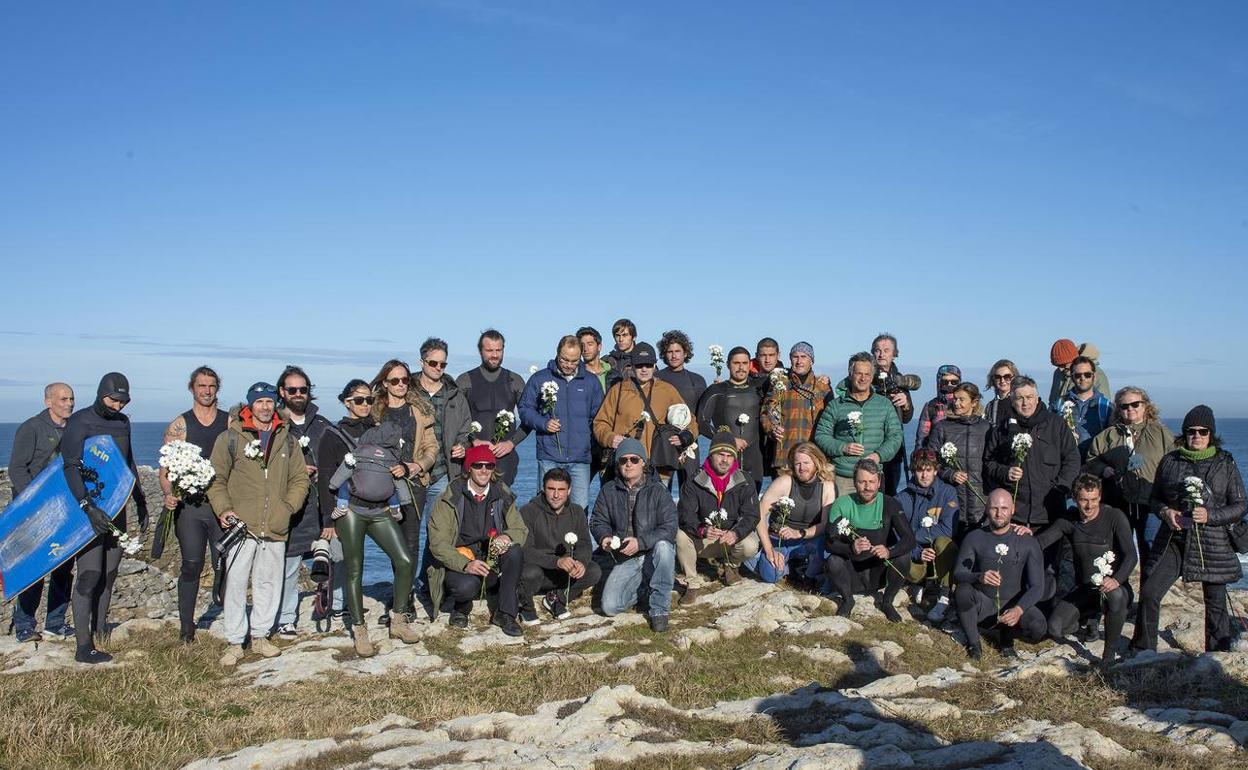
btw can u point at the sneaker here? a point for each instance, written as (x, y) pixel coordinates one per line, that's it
(286, 631)
(553, 602)
(64, 631)
(507, 623)
(459, 615)
(528, 616)
(91, 655)
(1088, 632)
(265, 647)
(937, 615)
(731, 575)
(29, 635)
(658, 623)
(233, 654)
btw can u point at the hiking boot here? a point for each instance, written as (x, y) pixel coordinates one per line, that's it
(689, 596)
(658, 623)
(286, 631)
(265, 647)
(401, 628)
(91, 655)
(233, 654)
(890, 612)
(1008, 652)
(731, 575)
(459, 615)
(507, 623)
(29, 635)
(363, 645)
(845, 607)
(553, 602)
(528, 616)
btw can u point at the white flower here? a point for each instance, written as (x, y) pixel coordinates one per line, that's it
(504, 416)
(743, 419)
(715, 350)
(718, 518)
(304, 441)
(534, 369)
(679, 416)
(349, 459)
(475, 427)
(1021, 441)
(778, 379)
(1002, 549)
(1068, 409)
(613, 543)
(1098, 578)
(570, 538)
(843, 527)
(948, 451)
(252, 450)
(928, 522)
(1109, 557)
(854, 419)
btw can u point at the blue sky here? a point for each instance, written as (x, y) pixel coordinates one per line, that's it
(330, 183)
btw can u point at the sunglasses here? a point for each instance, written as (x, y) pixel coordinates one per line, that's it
(398, 380)
(361, 400)
(629, 460)
(297, 391)
(1003, 377)
(483, 466)
(643, 366)
(1082, 376)
(1197, 431)
(1132, 405)
(436, 364)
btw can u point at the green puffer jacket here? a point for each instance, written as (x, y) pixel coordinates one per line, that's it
(881, 430)
(262, 492)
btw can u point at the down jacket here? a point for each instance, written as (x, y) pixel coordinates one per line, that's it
(1211, 559)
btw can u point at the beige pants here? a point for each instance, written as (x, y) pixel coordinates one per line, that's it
(688, 551)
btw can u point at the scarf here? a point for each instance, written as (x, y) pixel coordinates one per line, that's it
(720, 483)
(1192, 455)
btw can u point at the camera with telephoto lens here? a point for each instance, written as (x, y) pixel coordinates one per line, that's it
(891, 383)
(320, 571)
(234, 535)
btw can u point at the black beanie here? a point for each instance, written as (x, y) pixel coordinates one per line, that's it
(1200, 417)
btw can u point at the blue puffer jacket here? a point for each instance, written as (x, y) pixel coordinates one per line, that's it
(575, 407)
(940, 501)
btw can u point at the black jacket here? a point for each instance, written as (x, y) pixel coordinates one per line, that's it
(1224, 499)
(698, 500)
(307, 522)
(721, 407)
(621, 365)
(98, 420)
(969, 435)
(894, 532)
(545, 544)
(34, 446)
(1050, 468)
(329, 453)
(653, 518)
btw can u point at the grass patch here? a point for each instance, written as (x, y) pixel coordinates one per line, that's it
(725, 760)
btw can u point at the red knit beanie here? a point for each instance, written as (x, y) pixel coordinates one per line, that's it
(479, 454)
(1063, 352)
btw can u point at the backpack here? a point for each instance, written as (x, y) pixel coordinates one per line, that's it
(376, 452)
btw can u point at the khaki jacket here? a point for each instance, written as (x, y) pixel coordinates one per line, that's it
(623, 405)
(262, 492)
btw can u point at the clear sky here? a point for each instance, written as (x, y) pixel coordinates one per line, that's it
(329, 183)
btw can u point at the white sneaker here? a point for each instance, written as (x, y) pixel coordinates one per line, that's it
(286, 631)
(937, 615)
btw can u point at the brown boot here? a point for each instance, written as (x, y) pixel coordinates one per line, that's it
(363, 645)
(402, 627)
(731, 575)
(689, 596)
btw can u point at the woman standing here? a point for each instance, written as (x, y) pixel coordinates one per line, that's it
(807, 480)
(355, 523)
(1198, 493)
(1000, 383)
(398, 402)
(968, 432)
(1126, 456)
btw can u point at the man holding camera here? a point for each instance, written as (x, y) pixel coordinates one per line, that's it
(261, 481)
(895, 386)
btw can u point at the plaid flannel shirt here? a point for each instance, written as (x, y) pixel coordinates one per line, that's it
(798, 407)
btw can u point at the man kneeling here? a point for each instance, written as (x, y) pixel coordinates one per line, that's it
(718, 513)
(1000, 577)
(557, 552)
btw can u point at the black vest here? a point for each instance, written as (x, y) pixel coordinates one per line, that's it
(486, 399)
(201, 436)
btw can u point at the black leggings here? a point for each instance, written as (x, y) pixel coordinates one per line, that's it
(196, 529)
(864, 576)
(975, 608)
(386, 534)
(1085, 603)
(96, 568)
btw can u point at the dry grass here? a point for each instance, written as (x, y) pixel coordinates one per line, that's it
(708, 761)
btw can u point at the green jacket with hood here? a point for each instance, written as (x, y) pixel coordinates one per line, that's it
(880, 431)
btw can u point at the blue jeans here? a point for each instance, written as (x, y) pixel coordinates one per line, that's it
(655, 568)
(431, 496)
(289, 613)
(580, 479)
(811, 548)
(27, 604)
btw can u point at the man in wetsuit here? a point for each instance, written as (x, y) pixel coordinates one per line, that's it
(96, 564)
(734, 406)
(491, 388)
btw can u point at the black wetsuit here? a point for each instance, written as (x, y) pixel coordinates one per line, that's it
(196, 524)
(1022, 584)
(722, 406)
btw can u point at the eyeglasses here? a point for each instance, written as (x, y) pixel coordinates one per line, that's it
(629, 460)
(435, 364)
(483, 466)
(1132, 405)
(1003, 377)
(1197, 431)
(1082, 376)
(398, 380)
(361, 400)
(296, 391)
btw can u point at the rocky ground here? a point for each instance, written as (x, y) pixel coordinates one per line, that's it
(798, 688)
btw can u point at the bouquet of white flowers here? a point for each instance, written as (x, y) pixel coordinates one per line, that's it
(1068, 414)
(949, 456)
(779, 380)
(781, 510)
(189, 474)
(717, 359)
(1194, 495)
(854, 419)
(503, 422)
(1019, 447)
(547, 397)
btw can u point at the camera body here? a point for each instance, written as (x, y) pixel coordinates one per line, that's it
(234, 535)
(321, 570)
(891, 383)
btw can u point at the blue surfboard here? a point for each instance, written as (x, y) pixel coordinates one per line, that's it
(43, 527)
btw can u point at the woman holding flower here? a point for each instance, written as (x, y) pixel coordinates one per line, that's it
(1199, 494)
(867, 542)
(794, 527)
(963, 466)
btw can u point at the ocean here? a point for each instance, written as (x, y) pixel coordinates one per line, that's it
(148, 436)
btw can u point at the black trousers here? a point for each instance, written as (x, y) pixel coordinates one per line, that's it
(976, 607)
(1138, 516)
(850, 576)
(1085, 603)
(538, 580)
(462, 588)
(196, 529)
(892, 472)
(96, 568)
(1166, 569)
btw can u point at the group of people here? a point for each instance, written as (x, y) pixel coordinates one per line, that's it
(1026, 517)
